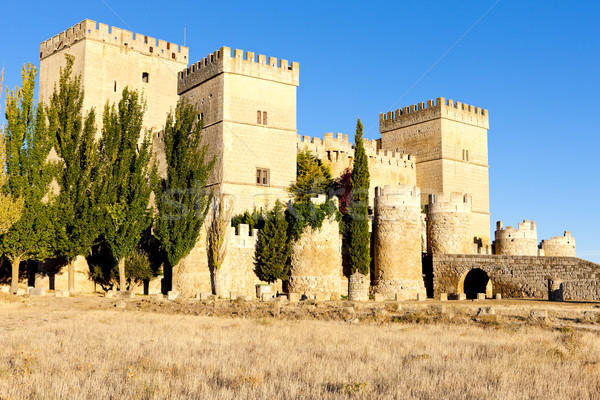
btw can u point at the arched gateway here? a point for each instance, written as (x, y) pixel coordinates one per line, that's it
(475, 281)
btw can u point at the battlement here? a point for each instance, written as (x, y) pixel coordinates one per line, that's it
(566, 239)
(441, 108)
(244, 238)
(337, 147)
(558, 246)
(454, 202)
(222, 61)
(395, 196)
(92, 30)
(526, 230)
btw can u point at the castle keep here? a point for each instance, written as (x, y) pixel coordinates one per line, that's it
(429, 192)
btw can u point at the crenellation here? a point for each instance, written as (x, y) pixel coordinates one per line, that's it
(558, 246)
(519, 241)
(92, 30)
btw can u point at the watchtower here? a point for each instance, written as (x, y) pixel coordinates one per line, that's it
(248, 105)
(108, 59)
(449, 224)
(516, 242)
(449, 140)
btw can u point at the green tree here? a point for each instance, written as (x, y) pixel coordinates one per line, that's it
(10, 208)
(76, 147)
(182, 199)
(127, 178)
(217, 236)
(358, 229)
(30, 174)
(312, 177)
(273, 250)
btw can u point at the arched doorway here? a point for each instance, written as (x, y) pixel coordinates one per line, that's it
(476, 281)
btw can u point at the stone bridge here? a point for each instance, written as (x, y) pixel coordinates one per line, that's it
(510, 276)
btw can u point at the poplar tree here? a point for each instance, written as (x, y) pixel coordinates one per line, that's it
(75, 144)
(127, 178)
(182, 198)
(359, 207)
(273, 251)
(10, 208)
(29, 176)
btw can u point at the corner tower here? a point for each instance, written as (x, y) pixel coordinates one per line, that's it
(249, 110)
(108, 59)
(449, 141)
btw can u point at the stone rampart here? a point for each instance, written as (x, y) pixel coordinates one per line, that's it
(88, 29)
(449, 229)
(518, 276)
(517, 242)
(221, 61)
(559, 246)
(397, 242)
(441, 108)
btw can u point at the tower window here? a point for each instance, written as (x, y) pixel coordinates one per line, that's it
(145, 77)
(173, 56)
(264, 117)
(262, 177)
(115, 88)
(151, 49)
(259, 117)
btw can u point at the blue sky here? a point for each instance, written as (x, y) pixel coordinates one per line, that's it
(533, 64)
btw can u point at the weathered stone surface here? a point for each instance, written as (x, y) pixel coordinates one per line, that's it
(449, 227)
(516, 242)
(37, 292)
(173, 295)
(480, 296)
(462, 296)
(126, 294)
(518, 276)
(293, 297)
(397, 243)
(486, 311)
(358, 287)
(559, 246)
(62, 293)
(443, 296)
(4, 289)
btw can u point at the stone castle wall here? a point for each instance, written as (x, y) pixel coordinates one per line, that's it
(316, 262)
(397, 242)
(518, 276)
(449, 141)
(517, 242)
(108, 59)
(559, 246)
(449, 224)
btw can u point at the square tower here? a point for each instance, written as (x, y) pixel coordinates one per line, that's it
(449, 141)
(249, 112)
(108, 59)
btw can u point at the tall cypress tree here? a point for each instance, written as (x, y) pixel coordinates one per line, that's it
(29, 176)
(127, 178)
(273, 251)
(182, 199)
(75, 144)
(359, 207)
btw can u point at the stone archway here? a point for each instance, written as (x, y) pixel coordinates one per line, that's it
(475, 281)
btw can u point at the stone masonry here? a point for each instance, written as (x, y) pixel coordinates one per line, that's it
(516, 242)
(559, 246)
(449, 224)
(397, 243)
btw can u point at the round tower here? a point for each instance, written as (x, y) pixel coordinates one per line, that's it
(559, 246)
(516, 242)
(449, 224)
(316, 261)
(397, 242)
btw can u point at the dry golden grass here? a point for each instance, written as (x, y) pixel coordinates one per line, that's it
(63, 353)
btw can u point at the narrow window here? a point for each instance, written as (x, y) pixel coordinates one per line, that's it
(262, 177)
(168, 46)
(258, 175)
(258, 117)
(115, 88)
(173, 56)
(145, 77)
(464, 157)
(264, 118)
(146, 39)
(151, 49)
(467, 155)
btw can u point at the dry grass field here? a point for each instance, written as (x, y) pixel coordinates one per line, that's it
(58, 349)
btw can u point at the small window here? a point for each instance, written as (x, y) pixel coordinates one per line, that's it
(146, 39)
(115, 88)
(259, 117)
(173, 56)
(151, 49)
(168, 46)
(467, 155)
(464, 155)
(264, 118)
(262, 177)
(145, 77)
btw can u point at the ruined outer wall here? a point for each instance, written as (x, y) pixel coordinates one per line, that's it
(449, 141)
(397, 242)
(519, 276)
(559, 246)
(449, 222)
(519, 242)
(316, 261)
(228, 91)
(109, 59)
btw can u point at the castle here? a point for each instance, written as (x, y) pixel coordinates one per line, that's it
(429, 174)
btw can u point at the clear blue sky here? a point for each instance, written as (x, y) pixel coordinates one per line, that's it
(534, 64)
